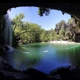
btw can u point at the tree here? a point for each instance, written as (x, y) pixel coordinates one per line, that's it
(26, 31)
(42, 10)
(71, 21)
(60, 25)
(68, 35)
(61, 33)
(17, 21)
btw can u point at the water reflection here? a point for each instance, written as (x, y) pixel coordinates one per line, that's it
(44, 56)
(72, 55)
(23, 61)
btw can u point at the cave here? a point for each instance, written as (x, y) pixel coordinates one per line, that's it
(71, 8)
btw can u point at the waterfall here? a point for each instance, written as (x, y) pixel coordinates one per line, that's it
(8, 30)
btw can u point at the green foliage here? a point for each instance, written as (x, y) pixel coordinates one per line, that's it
(62, 33)
(27, 32)
(70, 21)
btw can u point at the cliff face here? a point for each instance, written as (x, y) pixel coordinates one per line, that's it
(70, 8)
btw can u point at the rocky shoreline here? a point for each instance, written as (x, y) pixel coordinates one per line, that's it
(8, 72)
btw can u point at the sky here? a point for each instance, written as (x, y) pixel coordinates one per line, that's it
(46, 22)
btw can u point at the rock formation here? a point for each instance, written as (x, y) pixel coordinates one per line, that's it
(70, 8)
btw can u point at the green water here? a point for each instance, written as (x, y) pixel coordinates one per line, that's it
(44, 56)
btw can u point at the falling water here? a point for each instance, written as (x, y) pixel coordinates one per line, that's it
(8, 30)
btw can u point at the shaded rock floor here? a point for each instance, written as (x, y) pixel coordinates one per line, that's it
(8, 72)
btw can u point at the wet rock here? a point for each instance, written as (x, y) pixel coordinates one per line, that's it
(55, 71)
(76, 72)
(4, 64)
(65, 73)
(52, 77)
(8, 72)
(36, 74)
(72, 67)
(6, 47)
(13, 75)
(2, 76)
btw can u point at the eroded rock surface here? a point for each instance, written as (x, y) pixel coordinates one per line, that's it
(70, 8)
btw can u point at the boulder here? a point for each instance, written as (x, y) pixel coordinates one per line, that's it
(35, 74)
(55, 71)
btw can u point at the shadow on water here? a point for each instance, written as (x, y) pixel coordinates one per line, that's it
(44, 56)
(37, 45)
(71, 53)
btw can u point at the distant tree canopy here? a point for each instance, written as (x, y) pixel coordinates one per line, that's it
(27, 32)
